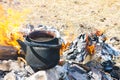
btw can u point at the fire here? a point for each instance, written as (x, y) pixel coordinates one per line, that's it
(69, 36)
(64, 47)
(91, 49)
(69, 40)
(10, 22)
(90, 45)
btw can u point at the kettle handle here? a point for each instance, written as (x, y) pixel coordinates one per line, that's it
(33, 44)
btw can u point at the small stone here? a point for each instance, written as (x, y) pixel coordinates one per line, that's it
(81, 25)
(43, 5)
(29, 69)
(15, 66)
(55, 16)
(115, 38)
(76, 2)
(40, 75)
(4, 67)
(115, 24)
(102, 20)
(10, 76)
(41, 16)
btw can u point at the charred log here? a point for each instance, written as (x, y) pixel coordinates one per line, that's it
(8, 52)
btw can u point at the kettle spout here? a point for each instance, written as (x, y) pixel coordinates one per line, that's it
(22, 44)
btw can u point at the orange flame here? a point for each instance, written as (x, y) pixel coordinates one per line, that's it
(10, 21)
(64, 47)
(91, 49)
(69, 36)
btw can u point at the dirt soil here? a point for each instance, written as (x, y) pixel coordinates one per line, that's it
(73, 16)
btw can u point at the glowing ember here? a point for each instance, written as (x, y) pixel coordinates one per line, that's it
(69, 39)
(70, 35)
(91, 49)
(64, 47)
(10, 21)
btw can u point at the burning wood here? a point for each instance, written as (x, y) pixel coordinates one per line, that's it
(10, 20)
(85, 45)
(8, 52)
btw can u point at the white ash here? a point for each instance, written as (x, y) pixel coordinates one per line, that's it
(17, 70)
(29, 28)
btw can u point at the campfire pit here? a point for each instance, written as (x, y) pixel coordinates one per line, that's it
(42, 52)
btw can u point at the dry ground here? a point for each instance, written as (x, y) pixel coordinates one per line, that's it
(73, 16)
